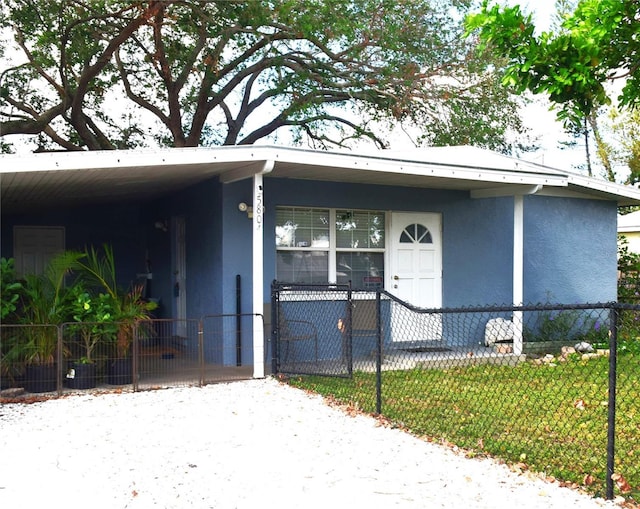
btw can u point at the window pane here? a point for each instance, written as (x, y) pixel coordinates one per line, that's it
(365, 270)
(422, 234)
(359, 229)
(416, 233)
(405, 238)
(302, 266)
(297, 227)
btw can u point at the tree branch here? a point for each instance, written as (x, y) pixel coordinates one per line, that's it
(90, 72)
(31, 126)
(140, 101)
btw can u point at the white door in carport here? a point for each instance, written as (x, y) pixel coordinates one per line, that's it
(34, 246)
(416, 275)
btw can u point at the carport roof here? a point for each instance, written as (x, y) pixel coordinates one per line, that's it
(44, 180)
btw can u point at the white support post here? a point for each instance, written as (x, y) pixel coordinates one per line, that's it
(258, 297)
(257, 282)
(518, 270)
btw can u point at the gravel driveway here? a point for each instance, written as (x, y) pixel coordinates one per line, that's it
(251, 444)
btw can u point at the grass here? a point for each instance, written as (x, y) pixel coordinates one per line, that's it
(550, 418)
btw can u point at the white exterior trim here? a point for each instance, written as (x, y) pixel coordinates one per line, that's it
(518, 270)
(506, 191)
(464, 168)
(257, 307)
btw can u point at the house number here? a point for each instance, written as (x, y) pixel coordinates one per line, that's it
(258, 208)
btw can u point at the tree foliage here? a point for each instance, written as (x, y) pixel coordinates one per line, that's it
(598, 43)
(618, 144)
(103, 74)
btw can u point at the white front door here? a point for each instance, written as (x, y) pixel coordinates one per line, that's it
(416, 274)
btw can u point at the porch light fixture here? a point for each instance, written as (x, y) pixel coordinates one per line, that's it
(243, 207)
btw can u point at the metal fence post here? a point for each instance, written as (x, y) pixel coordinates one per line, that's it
(349, 336)
(611, 425)
(238, 320)
(275, 335)
(201, 350)
(135, 368)
(59, 361)
(378, 355)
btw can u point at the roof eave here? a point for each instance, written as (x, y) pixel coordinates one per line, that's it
(624, 195)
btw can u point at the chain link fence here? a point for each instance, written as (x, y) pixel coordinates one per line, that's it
(548, 388)
(55, 359)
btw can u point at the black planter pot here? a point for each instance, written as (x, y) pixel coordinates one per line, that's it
(11, 381)
(81, 376)
(41, 378)
(120, 372)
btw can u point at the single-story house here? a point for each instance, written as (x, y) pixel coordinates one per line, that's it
(439, 227)
(629, 227)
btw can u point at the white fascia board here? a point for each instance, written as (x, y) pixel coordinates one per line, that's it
(632, 194)
(421, 168)
(88, 160)
(98, 159)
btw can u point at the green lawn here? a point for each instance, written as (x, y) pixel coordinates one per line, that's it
(551, 417)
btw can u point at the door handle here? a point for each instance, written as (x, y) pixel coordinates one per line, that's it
(396, 278)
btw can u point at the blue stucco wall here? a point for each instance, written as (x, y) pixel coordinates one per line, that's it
(570, 250)
(236, 260)
(478, 252)
(477, 234)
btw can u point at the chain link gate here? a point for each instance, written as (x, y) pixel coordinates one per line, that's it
(311, 333)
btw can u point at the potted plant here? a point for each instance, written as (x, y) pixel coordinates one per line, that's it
(129, 308)
(133, 310)
(95, 317)
(43, 306)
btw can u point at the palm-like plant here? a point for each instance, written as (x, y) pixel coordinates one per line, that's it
(45, 299)
(98, 269)
(9, 288)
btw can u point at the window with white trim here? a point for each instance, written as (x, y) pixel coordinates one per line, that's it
(330, 245)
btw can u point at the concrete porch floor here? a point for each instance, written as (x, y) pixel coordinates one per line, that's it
(400, 359)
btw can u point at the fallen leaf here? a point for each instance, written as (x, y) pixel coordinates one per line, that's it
(588, 480)
(621, 483)
(580, 404)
